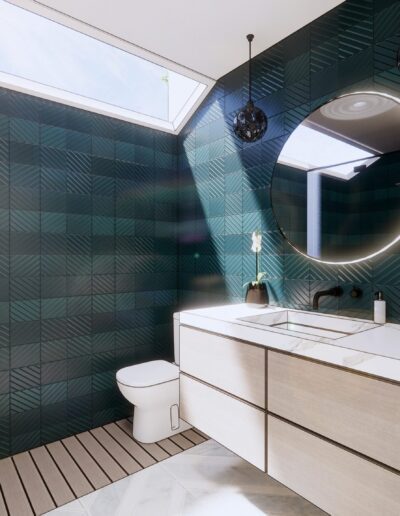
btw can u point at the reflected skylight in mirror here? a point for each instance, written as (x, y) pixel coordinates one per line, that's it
(41, 55)
(309, 149)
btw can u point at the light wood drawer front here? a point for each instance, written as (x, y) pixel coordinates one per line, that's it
(359, 412)
(233, 423)
(339, 482)
(230, 365)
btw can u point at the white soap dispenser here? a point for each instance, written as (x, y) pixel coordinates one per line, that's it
(379, 308)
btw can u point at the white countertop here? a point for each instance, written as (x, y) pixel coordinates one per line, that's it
(373, 351)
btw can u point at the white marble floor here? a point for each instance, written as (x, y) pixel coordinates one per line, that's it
(207, 480)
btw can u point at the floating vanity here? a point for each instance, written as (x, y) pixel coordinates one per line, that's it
(313, 400)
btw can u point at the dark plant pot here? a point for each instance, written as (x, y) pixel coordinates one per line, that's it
(257, 294)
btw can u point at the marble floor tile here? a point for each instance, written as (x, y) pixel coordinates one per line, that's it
(74, 508)
(207, 480)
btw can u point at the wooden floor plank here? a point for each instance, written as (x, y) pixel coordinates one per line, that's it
(74, 476)
(87, 464)
(14, 494)
(3, 507)
(206, 437)
(35, 488)
(169, 446)
(131, 446)
(108, 464)
(181, 441)
(54, 480)
(124, 459)
(193, 436)
(153, 449)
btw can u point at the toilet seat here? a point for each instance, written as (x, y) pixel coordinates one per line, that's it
(148, 374)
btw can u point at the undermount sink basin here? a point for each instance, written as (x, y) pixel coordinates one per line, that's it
(307, 323)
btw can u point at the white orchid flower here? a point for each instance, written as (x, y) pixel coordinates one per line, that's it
(256, 238)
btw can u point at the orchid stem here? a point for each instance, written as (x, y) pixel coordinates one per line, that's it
(256, 266)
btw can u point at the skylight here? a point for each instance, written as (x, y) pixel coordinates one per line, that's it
(45, 58)
(308, 149)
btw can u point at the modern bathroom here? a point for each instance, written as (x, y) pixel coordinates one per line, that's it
(200, 258)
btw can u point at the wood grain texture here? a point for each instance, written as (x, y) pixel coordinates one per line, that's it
(193, 436)
(181, 441)
(108, 464)
(87, 464)
(14, 494)
(3, 507)
(337, 481)
(152, 448)
(124, 459)
(233, 423)
(170, 447)
(131, 446)
(76, 479)
(230, 365)
(356, 411)
(35, 488)
(56, 483)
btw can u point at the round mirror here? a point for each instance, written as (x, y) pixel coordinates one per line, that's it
(336, 184)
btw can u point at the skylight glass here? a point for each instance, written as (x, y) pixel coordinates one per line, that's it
(308, 149)
(42, 56)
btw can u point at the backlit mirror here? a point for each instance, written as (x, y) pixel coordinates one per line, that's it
(336, 184)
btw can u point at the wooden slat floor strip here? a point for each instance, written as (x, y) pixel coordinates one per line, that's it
(52, 476)
(35, 488)
(193, 436)
(124, 459)
(37, 481)
(181, 441)
(86, 462)
(108, 464)
(3, 507)
(153, 449)
(131, 446)
(169, 446)
(14, 494)
(74, 476)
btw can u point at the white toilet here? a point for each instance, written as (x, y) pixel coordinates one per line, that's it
(153, 388)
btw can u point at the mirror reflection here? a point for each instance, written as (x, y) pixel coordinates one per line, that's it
(336, 185)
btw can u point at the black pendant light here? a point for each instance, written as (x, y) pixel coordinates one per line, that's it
(250, 123)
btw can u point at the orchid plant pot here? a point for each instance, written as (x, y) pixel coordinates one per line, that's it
(257, 294)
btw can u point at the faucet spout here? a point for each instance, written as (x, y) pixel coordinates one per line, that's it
(335, 292)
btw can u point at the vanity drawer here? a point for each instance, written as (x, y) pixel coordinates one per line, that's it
(233, 423)
(337, 481)
(359, 412)
(233, 366)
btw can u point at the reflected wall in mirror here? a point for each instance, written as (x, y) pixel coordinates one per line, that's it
(336, 184)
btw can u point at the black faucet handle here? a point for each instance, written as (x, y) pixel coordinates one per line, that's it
(356, 292)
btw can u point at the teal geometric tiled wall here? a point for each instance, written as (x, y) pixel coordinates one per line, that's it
(88, 263)
(353, 47)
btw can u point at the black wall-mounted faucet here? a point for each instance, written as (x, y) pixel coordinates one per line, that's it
(335, 292)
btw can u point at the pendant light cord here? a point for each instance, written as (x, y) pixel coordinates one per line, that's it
(250, 38)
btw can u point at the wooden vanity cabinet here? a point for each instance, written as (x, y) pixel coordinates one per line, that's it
(351, 409)
(330, 434)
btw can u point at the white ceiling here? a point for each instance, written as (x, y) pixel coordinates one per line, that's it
(207, 36)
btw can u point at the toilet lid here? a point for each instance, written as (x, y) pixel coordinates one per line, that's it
(148, 374)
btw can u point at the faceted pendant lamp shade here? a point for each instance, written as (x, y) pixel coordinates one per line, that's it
(250, 122)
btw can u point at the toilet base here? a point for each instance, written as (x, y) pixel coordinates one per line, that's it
(150, 426)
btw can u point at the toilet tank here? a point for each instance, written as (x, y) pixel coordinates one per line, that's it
(176, 338)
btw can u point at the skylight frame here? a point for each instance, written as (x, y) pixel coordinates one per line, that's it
(89, 104)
